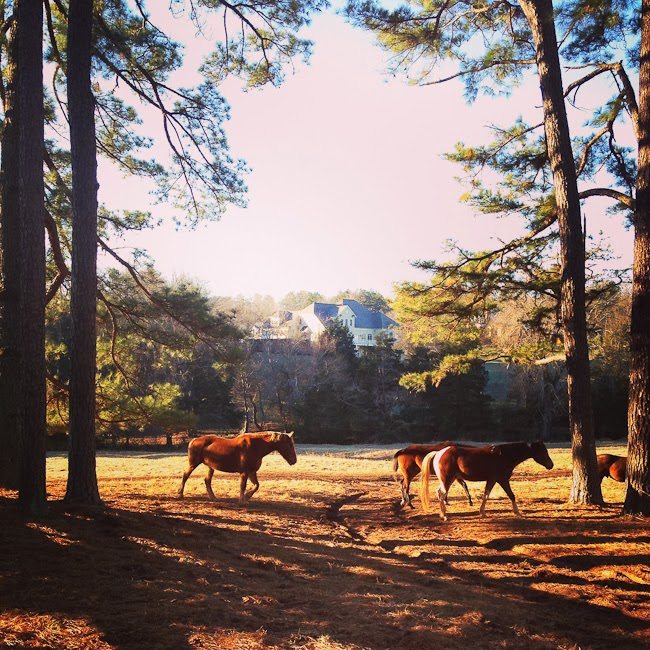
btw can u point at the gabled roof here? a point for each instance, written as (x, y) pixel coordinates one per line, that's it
(363, 317)
(323, 311)
(366, 318)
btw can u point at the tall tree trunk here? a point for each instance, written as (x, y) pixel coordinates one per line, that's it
(637, 498)
(10, 395)
(586, 486)
(82, 476)
(29, 95)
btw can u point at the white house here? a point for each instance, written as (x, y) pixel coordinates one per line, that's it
(364, 324)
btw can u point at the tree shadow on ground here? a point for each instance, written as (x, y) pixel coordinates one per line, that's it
(167, 579)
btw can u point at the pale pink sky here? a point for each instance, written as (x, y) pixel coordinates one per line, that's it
(348, 183)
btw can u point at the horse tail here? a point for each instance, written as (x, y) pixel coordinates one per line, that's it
(427, 463)
(396, 462)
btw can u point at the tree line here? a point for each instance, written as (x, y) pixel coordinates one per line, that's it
(433, 381)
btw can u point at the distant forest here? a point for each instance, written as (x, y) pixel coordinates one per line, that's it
(184, 363)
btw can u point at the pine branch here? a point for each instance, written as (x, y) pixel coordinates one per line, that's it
(57, 254)
(623, 199)
(477, 69)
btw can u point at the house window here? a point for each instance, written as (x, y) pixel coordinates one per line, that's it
(370, 337)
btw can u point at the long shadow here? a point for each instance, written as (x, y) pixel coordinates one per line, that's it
(480, 561)
(584, 562)
(508, 543)
(149, 579)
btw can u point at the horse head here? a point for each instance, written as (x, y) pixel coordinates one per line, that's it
(539, 454)
(284, 444)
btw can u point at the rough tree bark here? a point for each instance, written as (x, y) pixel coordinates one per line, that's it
(29, 95)
(82, 475)
(10, 434)
(637, 498)
(586, 486)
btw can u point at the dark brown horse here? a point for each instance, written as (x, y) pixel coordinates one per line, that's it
(407, 463)
(612, 466)
(492, 464)
(242, 454)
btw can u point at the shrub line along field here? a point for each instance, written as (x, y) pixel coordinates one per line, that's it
(321, 558)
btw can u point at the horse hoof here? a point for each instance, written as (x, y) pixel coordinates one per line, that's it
(443, 517)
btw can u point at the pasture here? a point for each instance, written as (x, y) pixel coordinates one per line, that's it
(321, 559)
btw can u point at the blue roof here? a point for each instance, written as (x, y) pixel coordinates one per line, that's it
(363, 317)
(367, 318)
(324, 311)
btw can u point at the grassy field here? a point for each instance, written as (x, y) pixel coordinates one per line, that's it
(300, 568)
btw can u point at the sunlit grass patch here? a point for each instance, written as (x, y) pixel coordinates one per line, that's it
(18, 630)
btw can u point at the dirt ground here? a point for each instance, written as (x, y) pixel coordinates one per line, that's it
(299, 568)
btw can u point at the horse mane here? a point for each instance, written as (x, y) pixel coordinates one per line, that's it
(263, 434)
(504, 446)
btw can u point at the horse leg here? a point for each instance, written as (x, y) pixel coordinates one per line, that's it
(511, 495)
(186, 475)
(405, 499)
(442, 498)
(469, 496)
(208, 484)
(242, 487)
(488, 488)
(443, 492)
(460, 480)
(400, 479)
(403, 477)
(255, 488)
(407, 488)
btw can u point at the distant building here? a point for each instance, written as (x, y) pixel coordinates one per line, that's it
(363, 323)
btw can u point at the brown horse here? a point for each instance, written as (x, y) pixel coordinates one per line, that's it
(492, 464)
(612, 466)
(242, 454)
(407, 463)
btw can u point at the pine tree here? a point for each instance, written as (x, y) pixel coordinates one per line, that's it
(29, 96)
(10, 393)
(637, 498)
(82, 477)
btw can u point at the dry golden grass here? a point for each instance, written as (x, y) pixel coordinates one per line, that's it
(296, 569)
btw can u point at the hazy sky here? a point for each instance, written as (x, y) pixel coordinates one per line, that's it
(348, 184)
